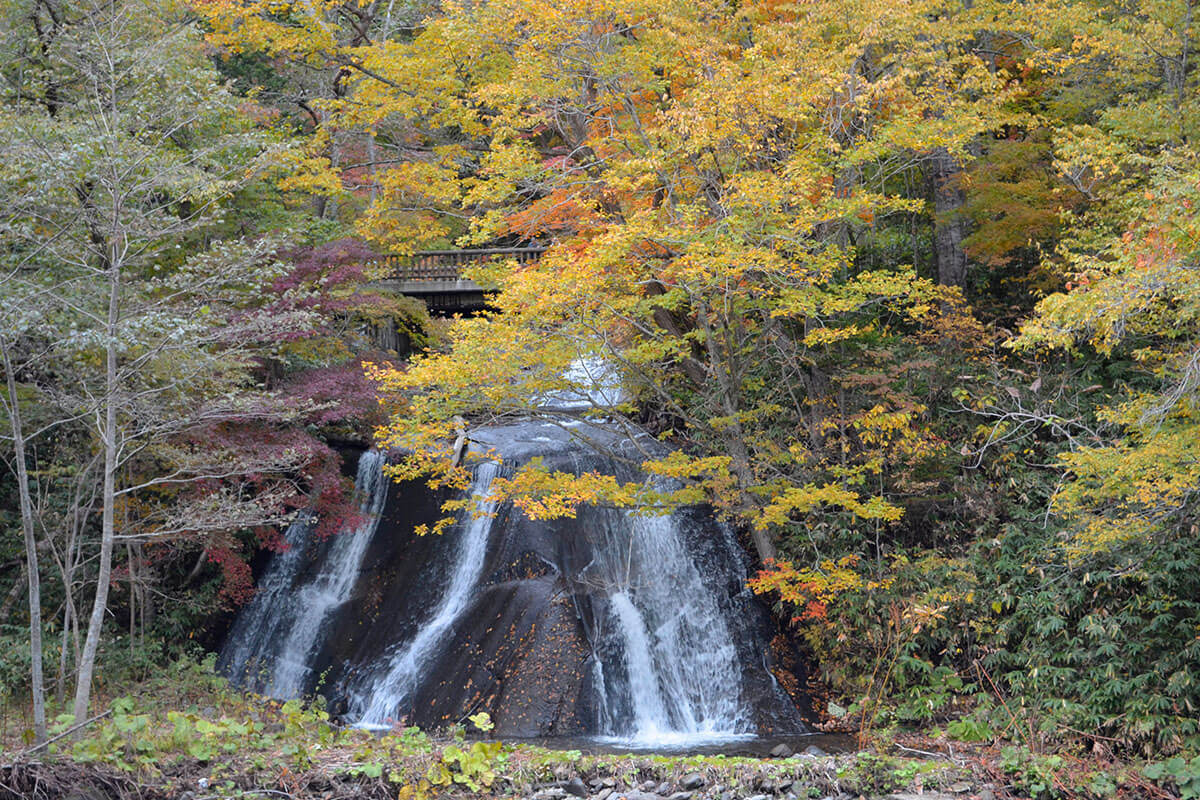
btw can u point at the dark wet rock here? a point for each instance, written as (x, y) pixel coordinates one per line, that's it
(663, 788)
(648, 786)
(681, 796)
(576, 787)
(781, 750)
(691, 781)
(608, 783)
(522, 650)
(602, 794)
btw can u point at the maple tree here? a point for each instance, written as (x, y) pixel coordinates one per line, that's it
(705, 177)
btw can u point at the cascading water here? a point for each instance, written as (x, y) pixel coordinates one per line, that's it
(378, 702)
(636, 629)
(274, 638)
(668, 661)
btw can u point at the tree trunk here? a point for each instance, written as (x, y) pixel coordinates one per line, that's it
(37, 686)
(735, 440)
(108, 435)
(949, 221)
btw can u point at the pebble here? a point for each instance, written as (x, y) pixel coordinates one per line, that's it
(648, 786)
(553, 793)
(575, 786)
(781, 750)
(634, 795)
(681, 796)
(692, 781)
(602, 794)
(960, 788)
(663, 788)
(813, 750)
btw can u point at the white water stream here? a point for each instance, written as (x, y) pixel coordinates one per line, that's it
(679, 673)
(378, 704)
(275, 637)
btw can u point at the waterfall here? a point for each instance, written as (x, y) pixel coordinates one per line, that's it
(633, 628)
(275, 636)
(379, 702)
(670, 671)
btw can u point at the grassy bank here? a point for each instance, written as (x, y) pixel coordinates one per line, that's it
(187, 734)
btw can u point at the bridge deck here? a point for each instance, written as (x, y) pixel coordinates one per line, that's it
(435, 276)
(446, 266)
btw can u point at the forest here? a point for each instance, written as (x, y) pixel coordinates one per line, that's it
(902, 297)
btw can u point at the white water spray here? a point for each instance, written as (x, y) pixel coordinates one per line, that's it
(272, 645)
(379, 702)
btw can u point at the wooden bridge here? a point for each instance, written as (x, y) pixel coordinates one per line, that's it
(435, 276)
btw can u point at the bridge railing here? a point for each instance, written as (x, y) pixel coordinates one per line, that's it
(447, 265)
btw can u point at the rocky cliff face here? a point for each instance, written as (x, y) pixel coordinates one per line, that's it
(606, 624)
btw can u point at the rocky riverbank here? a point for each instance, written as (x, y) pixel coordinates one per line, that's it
(523, 772)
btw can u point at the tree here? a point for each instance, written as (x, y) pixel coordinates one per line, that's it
(1129, 253)
(711, 180)
(122, 154)
(12, 407)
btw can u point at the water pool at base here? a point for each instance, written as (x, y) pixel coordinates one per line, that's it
(747, 746)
